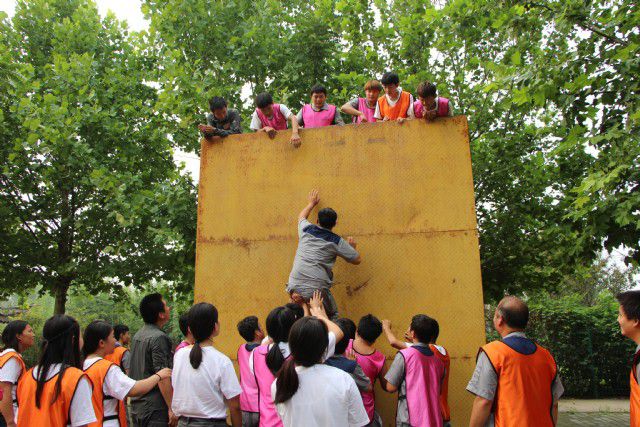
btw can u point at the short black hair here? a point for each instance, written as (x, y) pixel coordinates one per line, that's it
(119, 330)
(426, 90)
(318, 88)
(264, 100)
(297, 309)
(150, 307)
(390, 78)
(247, 328)
(630, 303)
(369, 328)
(327, 218)
(424, 328)
(183, 323)
(217, 103)
(514, 311)
(349, 330)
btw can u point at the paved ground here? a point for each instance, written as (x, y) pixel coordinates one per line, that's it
(593, 419)
(593, 405)
(593, 413)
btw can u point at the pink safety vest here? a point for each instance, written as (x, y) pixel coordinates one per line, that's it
(423, 376)
(264, 378)
(371, 364)
(442, 110)
(277, 120)
(368, 112)
(316, 119)
(249, 395)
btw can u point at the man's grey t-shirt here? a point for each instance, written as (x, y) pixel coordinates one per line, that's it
(150, 352)
(317, 251)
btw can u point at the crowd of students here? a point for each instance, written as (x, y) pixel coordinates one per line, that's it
(307, 370)
(269, 117)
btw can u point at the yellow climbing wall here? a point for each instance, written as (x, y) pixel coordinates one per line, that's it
(404, 191)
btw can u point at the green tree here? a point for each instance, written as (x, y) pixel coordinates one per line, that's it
(549, 88)
(89, 191)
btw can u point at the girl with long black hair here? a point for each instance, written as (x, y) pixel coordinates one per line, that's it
(17, 337)
(56, 392)
(204, 380)
(265, 361)
(110, 384)
(309, 393)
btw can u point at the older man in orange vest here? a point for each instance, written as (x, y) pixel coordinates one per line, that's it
(516, 381)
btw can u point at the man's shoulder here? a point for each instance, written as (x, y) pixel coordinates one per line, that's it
(322, 233)
(149, 332)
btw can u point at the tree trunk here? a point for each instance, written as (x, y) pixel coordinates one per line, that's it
(61, 296)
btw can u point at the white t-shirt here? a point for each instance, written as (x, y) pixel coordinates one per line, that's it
(117, 385)
(391, 103)
(284, 349)
(10, 373)
(81, 410)
(256, 124)
(326, 396)
(200, 393)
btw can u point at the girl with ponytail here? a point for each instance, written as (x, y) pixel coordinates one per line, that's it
(310, 393)
(56, 392)
(110, 384)
(204, 380)
(267, 360)
(17, 336)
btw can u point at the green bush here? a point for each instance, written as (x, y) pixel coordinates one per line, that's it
(86, 307)
(593, 358)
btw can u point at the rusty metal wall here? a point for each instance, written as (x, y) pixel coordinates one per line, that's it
(405, 192)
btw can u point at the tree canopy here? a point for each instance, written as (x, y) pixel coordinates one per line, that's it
(90, 194)
(91, 112)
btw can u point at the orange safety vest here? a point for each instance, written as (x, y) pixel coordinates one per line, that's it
(49, 414)
(8, 356)
(398, 110)
(116, 357)
(524, 395)
(97, 373)
(634, 399)
(444, 391)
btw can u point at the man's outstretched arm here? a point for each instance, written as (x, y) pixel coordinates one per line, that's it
(314, 199)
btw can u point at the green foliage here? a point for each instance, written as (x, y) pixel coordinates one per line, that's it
(86, 306)
(90, 195)
(549, 88)
(592, 356)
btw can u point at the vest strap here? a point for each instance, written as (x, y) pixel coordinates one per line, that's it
(110, 417)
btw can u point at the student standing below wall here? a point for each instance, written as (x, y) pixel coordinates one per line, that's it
(55, 392)
(204, 381)
(629, 321)
(17, 337)
(307, 392)
(150, 353)
(516, 380)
